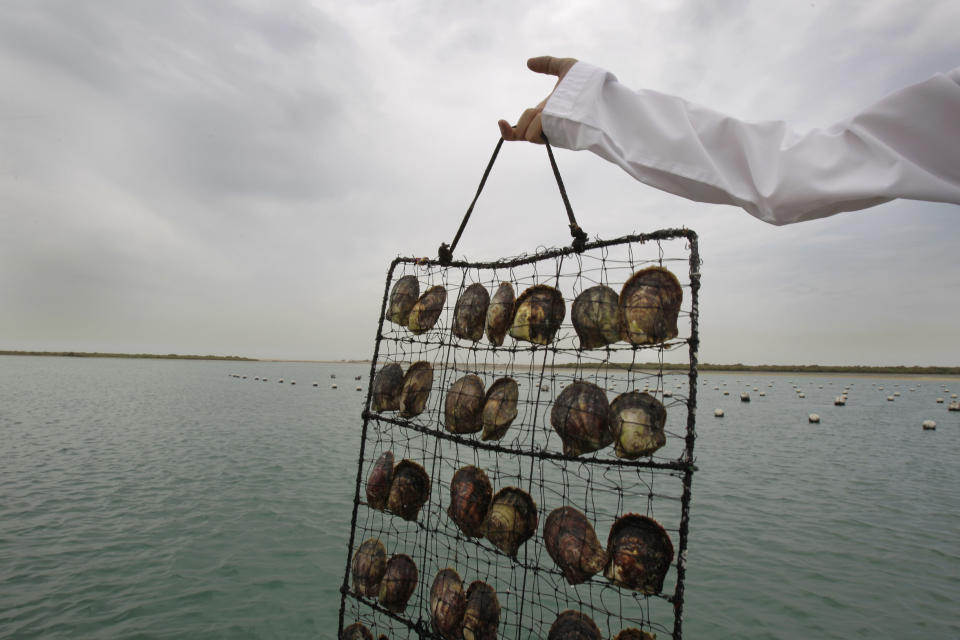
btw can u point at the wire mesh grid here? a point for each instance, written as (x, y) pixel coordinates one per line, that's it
(530, 587)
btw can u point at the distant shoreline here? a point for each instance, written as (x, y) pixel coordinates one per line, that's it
(647, 366)
(145, 356)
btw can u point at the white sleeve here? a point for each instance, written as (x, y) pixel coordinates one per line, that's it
(907, 145)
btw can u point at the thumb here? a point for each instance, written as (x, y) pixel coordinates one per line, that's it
(550, 65)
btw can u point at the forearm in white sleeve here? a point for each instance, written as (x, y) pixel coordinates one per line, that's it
(907, 145)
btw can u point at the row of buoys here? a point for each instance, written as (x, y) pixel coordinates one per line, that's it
(293, 382)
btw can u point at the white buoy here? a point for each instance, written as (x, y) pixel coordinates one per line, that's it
(839, 401)
(744, 397)
(718, 413)
(889, 398)
(813, 418)
(929, 425)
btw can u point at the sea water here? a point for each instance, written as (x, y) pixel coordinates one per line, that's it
(170, 499)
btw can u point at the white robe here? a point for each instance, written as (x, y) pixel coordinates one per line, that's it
(906, 145)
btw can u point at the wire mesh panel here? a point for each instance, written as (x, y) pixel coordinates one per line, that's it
(553, 437)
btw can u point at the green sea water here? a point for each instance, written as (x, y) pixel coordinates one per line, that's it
(168, 499)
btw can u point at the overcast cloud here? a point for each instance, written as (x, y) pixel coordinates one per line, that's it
(235, 177)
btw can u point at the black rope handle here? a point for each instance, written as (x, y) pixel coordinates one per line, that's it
(445, 252)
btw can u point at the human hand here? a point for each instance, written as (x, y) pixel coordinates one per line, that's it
(528, 127)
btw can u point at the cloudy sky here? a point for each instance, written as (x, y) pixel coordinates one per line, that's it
(235, 177)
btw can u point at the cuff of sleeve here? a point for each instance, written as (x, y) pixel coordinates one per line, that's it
(577, 90)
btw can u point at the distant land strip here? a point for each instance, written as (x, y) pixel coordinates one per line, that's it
(88, 354)
(645, 366)
(785, 368)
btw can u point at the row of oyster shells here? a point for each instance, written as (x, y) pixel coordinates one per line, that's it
(645, 311)
(581, 415)
(638, 552)
(391, 581)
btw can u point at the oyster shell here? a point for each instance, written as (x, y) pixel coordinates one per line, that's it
(387, 385)
(369, 563)
(416, 389)
(379, 481)
(356, 631)
(447, 604)
(649, 306)
(398, 583)
(511, 520)
(402, 298)
(596, 317)
(573, 544)
(482, 616)
(464, 405)
(470, 495)
(634, 634)
(500, 313)
(636, 423)
(539, 312)
(409, 490)
(427, 309)
(640, 554)
(499, 408)
(470, 314)
(573, 625)
(579, 415)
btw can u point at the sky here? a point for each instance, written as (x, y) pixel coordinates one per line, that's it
(234, 178)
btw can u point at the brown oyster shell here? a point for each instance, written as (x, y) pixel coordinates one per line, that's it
(416, 389)
(636, 423)
(387, 385)
(634, 634)
(464, 405)
(511, 519)
(649, 305)
(448, 604)
(427, 309)
(579, 416)
(596, 317)
(573, 545)
(403, 296)
(398, 583)
(409, 490)
(500, 313)
(356, 631)
(499, 408)
(379, 481)
(470, 496)
(369, 563)
(573, 625)
(470, 314)
(640, 554)
(539, 312)
(482, 616)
